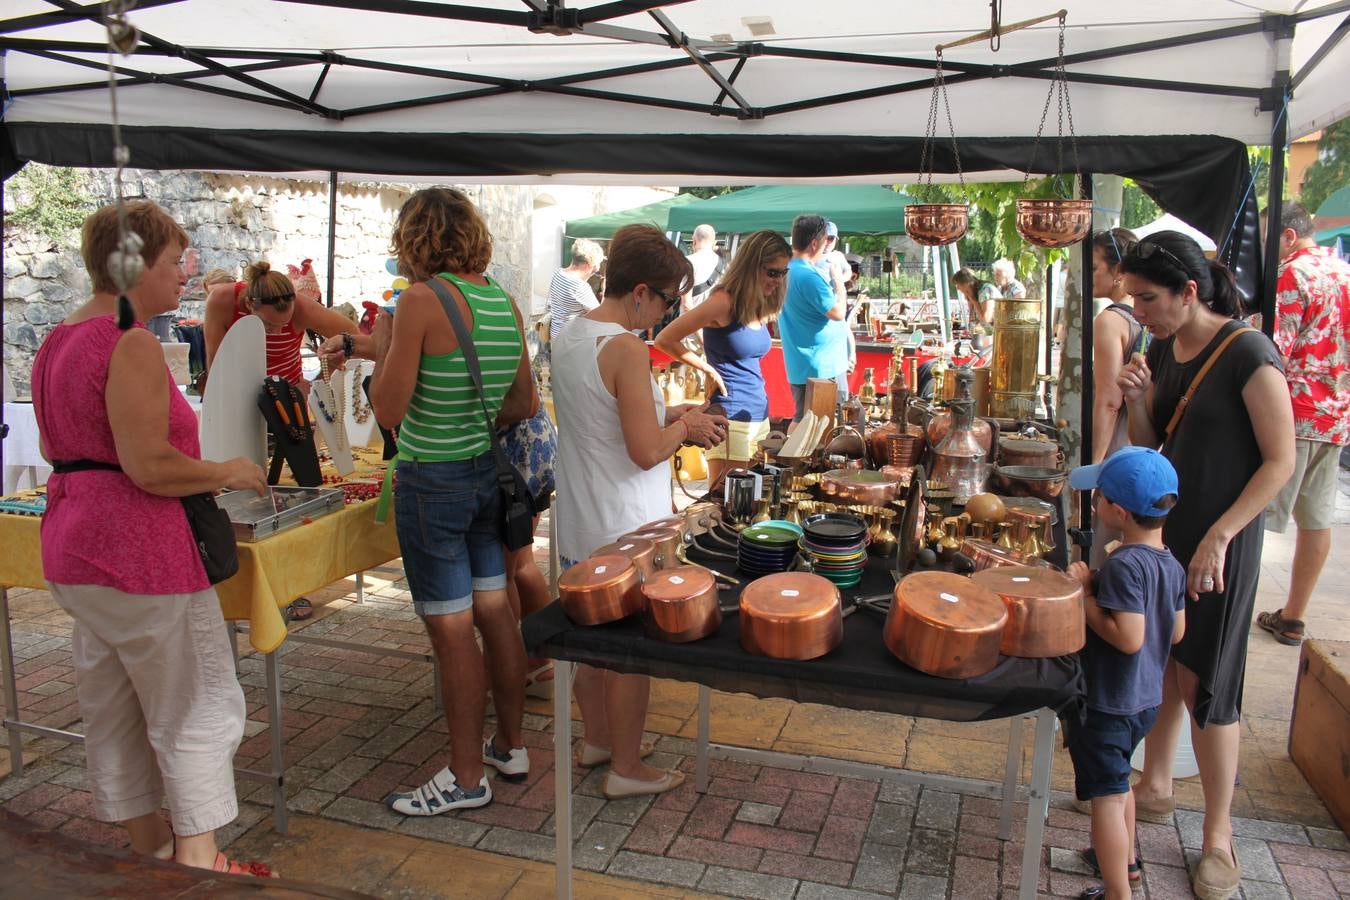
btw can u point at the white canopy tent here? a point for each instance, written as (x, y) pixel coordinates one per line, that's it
(1169, 222)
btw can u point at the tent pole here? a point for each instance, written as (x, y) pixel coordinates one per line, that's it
(332, 232)
(1270, 268)
(1085, 445)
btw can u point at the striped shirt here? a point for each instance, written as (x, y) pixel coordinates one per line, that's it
(445, 418)
(568, 297)
(283, 347)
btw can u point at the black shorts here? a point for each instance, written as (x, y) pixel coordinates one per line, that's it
(1101, 749)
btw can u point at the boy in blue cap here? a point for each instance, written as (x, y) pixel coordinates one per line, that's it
(1131, 605)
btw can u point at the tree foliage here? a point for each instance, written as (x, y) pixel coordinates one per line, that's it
(49, 200)
(1332, 169)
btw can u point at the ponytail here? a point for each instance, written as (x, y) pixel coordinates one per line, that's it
(1224, 298)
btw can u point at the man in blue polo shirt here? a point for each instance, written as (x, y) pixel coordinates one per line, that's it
(811, 325)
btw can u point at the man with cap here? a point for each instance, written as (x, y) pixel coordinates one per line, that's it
(833, 264)
(1132, 605)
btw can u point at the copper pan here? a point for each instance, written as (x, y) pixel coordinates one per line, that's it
(1045, 610)
(945, 625)
(791, 615)
(681, 604)
(680, 523)
(601, 589)
(1028, 452)
(641, 552)
(865, 487)
(666, 540)
(988, 555)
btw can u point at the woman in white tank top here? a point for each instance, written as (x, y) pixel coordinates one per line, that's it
(614, 439)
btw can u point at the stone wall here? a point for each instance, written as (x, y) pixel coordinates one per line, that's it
(232, 220)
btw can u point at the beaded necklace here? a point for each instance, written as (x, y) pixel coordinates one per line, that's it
(360, 409)
(328, 415)
(291, 411)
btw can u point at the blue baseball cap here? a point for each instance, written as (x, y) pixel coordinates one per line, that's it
(831, 230)
(1135, 477)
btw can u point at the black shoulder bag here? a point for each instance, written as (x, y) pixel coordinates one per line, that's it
(517, 519)
(211, 528)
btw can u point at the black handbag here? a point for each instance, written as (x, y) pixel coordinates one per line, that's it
(211, 528)
(517, 515)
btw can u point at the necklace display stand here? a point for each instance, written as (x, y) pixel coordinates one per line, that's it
(231, 425)
(328, 401)
(360, 420)
(294, 439)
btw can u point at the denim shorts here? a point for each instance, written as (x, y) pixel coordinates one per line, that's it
(1101, 749)
(447, 517)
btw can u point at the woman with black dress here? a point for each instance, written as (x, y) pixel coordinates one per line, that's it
(1233, 450)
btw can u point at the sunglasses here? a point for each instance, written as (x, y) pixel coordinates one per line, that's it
(1146, 248)
(671, 300)
(280, 302)
(775, 273)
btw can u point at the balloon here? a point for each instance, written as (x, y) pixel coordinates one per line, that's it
(400, 283)
(391, 266)
(389, 295)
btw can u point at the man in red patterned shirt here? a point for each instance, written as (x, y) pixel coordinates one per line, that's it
(1312, 295)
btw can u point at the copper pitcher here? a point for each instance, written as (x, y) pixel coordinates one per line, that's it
(1045, 610)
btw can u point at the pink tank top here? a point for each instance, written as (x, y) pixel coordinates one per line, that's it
(283, 348)
(99, 527)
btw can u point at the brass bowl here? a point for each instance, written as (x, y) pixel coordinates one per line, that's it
(1053, 223)
(935, 224)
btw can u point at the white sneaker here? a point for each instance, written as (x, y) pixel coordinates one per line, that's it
(512, 765)
(440, 794)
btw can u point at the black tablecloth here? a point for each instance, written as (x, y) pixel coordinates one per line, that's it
(858, 674)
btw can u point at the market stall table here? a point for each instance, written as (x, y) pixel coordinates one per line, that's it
(272, 573)
(859, 674)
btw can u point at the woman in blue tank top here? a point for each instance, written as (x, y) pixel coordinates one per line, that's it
(733, 321)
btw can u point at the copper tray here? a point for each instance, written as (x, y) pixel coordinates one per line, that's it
(1045, 610)
(945, 625)
(791, 615)
(667, 542)
(601, 589)
(642, 552)
(681, 604)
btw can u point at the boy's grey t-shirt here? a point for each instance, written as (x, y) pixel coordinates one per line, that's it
(1136, 579)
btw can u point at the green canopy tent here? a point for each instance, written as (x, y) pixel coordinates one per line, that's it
(855, 208)
(1336, 206)
(603, 226)
(1334, 237)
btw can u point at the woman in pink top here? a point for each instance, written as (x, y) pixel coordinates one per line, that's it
(162, 709)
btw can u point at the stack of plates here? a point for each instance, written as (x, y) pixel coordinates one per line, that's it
(837, 545)
(768, 547)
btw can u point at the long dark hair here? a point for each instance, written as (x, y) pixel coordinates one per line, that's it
(1114, 243)
(1170, 259)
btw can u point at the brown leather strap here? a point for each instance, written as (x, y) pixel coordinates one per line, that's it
(1199, 377)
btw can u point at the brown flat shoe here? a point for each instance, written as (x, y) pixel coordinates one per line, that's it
(1216, 878)
(1287, 631)
(590, 756)
(1157, 811)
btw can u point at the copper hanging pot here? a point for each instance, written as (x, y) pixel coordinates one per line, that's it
(1045, 610)
(667, 542)
(601, 589)
(681, 604)
(642, 552)
(791, 615)
(945, 625)
(936, 224)
(1054, 223)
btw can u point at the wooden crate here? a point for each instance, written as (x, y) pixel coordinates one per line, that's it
(1319, 732)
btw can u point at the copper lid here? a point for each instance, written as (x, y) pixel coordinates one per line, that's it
(789, 597)
(1031, 582)
(597, 572)
(951, 602)
(637, 549)
(678, 583)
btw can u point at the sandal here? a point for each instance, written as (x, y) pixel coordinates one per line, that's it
(233, 867)
(299, 610)
(539, 682)
(1089, 856)
(1287, 631)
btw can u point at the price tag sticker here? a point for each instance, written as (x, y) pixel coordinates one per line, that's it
(1020, 579)
(626, 547)
(950, 598)
(676, 579)
(600, 570)
(790, 593)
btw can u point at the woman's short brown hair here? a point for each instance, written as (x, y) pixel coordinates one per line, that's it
(267, 288)
(641, 254)
(98, 238)
(439, 230)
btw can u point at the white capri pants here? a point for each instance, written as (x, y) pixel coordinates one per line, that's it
(163, 711)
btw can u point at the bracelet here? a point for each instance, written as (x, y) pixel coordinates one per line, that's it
(348, 345)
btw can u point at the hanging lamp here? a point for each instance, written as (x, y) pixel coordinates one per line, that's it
(1059, 221)
(937, 224)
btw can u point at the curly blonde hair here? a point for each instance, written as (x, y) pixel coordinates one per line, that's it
(439, 230)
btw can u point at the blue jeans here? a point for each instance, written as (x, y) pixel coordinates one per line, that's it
(1101, 749)
(448, 530)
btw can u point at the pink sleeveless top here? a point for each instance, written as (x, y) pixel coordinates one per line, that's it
(99, 527)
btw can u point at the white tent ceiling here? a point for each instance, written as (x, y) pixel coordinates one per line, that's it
(503, 79)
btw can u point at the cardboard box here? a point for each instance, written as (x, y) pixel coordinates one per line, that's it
(1319, 732)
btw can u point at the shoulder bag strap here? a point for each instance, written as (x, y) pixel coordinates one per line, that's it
(505, 474)
(1199, 377)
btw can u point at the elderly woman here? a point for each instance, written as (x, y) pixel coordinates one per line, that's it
(979, 296)
(1233, 449)
(287, 312)
(569, 293)
(1115, 338)
(615, 440)
(162, 710)
(735, 338)
(1005, 279)
(448, 504)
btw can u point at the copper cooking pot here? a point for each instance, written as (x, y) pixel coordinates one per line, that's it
(1045, 610)
(988, 555)
(945, 625)
(680, 523)
(601, 589)
(865, 487)
(667, 542)
(791, 615)
(641, 552)
(681, 604)
(1028, 452)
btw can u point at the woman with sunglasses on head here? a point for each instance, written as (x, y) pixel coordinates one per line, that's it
(615, 437)
(735, 338)
(1116, 336)
(1233, 449)
(287, 312)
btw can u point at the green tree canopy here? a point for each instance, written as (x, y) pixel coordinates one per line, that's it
(1332, 169)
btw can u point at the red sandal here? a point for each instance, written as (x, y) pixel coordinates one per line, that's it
(233, 867)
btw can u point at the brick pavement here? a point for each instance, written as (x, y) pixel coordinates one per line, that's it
(358, 725)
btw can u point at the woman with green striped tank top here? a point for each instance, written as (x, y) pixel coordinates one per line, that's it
(447, 504)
